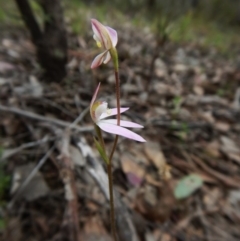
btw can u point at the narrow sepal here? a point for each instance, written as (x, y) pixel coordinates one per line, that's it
(101, 151)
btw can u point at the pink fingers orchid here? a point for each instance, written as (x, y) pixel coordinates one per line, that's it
(99, 111)
(106, 38)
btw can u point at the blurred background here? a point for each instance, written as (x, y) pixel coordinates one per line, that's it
(214, 22)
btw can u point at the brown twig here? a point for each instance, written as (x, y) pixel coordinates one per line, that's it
(66, 167)
(29, 178)
(229, 181)
(10, 152)
(34, 116)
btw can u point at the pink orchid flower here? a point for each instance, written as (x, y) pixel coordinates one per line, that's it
(99, 111)
(106, 38)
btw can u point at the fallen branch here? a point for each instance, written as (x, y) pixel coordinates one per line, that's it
(10, 152)
(34, 116)
(70, 223)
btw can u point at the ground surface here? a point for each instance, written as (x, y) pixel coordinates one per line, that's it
(189, 105)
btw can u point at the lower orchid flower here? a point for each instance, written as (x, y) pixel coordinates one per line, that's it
(99, 111)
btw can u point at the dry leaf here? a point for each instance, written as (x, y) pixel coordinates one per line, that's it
(230, 148)
(198, 90)
(155, 154)
(212, 197)
(36, 188)
(76, 156)
(11, 124)
(212, 149)
(134, 172)
(222, 126)
(95, 230)
(152, 181)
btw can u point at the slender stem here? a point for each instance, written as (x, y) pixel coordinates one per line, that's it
(112, 209)
(109, 166)
(113, 149)
(118, 114)
(114, 55)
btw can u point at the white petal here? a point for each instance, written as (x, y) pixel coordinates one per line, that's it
(112, 111)
(107, 58)
(122, 123)
(100, 109)
(118, 130)
(96, 38)
(98, 60)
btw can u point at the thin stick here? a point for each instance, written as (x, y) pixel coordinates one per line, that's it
(8, 153)
(31, 115)
(31, 175)
(67, 173)
(80, 117)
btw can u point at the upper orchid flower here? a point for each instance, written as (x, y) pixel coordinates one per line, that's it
(99, 111)
(105, 37)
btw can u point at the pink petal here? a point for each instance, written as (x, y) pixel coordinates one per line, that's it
(95, 95)
(122, 123)
(99, 59)
(113, 35)
(113, 112)
(118, 130)
(100, 32)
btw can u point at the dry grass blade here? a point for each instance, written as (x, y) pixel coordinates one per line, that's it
(8, 153)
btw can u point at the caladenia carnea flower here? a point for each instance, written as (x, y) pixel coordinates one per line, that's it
(106, 38)
(99, 112)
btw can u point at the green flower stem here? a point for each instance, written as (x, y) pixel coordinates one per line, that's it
(114, 55)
